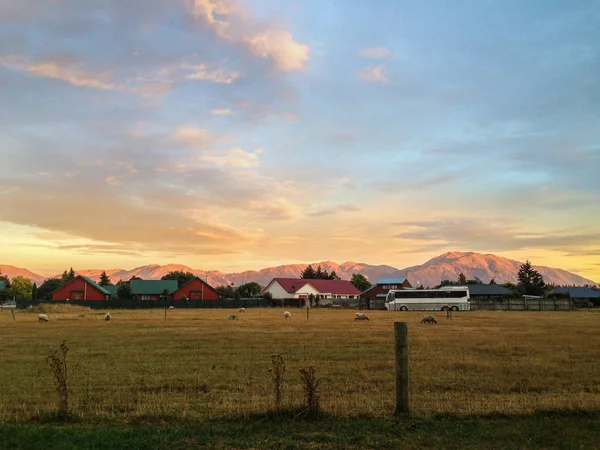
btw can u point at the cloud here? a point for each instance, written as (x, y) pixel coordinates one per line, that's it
(221, 112)
(494, 234)
(334, 210)
(375, 53)
(232, 23)
(234, 158)
(64, 70)
(193, 136)
(111, 181)
(374, 74)
(145, 81)
(202, 72)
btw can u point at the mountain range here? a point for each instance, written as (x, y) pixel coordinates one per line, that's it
(447, 266)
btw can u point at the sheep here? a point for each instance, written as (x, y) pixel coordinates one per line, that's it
(107, 317)
(242, 309)
(232, 318)
(171, 308)
(42, 318)
(428, 319)
(287, 314)
(361, 316)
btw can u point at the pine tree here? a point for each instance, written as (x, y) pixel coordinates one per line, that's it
(530, 280)
(319, 273)
(308, 273)
(34, 294)
(462, 279)
(104, 279)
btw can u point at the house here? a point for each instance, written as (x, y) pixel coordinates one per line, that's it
(487, 290)
(298, 288)
(80, 289)
(581, 296)
(195, 291)
(152, 290)
(374, 297)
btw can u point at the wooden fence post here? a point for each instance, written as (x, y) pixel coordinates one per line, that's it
(12, 311)
(401, 350)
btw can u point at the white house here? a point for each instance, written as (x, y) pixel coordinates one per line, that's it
(283, 288)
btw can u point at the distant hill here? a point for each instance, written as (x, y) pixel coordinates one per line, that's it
(485, 267)
(447, 266)
(12, 271)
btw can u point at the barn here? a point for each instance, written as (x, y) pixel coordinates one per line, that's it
(195, 291)
(80, 290)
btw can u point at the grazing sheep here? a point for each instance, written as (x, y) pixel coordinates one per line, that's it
(428, 319)
(107, 317)
(42, 318)
(361, 316)
(171, 308)
(232, 318)
(287, 314)
(242, 309)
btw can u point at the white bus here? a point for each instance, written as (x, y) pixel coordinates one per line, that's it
(449, 297)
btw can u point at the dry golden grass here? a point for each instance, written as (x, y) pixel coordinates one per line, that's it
(197, 364)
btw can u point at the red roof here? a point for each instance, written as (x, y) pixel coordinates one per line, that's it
(339, 287)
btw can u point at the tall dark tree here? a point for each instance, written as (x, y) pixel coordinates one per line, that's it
(360, 282)
(248, 290)
(462, 279)
(530, 280)
(104, 279)
(309, 273)
(5, 279)
(67, 276)
(34, 294)
(333, 276)
(124, 290)
(319, 273)
(180, 276)
(45, 291)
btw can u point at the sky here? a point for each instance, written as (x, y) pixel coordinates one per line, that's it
(242, 134)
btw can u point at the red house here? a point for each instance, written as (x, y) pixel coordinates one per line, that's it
(196, 290)
(80, 289)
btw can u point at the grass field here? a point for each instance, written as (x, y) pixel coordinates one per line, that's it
(198, 367)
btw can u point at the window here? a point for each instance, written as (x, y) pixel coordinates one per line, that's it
(146, 297)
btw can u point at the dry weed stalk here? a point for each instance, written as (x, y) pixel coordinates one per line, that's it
(310, 385)
(277, 371)
(57, 360)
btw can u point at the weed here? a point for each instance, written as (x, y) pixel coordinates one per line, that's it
(57, 360)
(277, 371)
(310, 385)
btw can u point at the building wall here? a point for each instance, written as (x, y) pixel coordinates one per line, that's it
(197, 288)
(384, 289)
(77, 287)
(277, 291)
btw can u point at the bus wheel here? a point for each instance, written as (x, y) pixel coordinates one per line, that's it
(444, 308)
(454, 308)
(403, 308)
